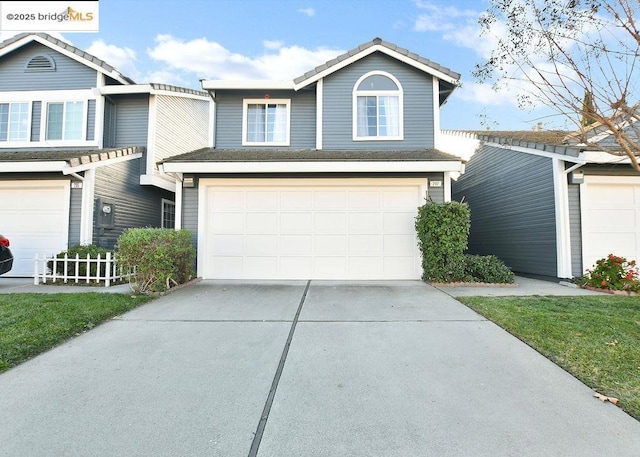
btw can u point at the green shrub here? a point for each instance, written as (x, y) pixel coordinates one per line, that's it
(443, 230)
(487, 268)
(613, 273)
(162, 257)
(81, 251)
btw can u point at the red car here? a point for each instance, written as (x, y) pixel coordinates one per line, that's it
(6, 257)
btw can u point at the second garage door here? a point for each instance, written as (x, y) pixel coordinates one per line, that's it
(611, 218)
(309, 229)
(34, 215)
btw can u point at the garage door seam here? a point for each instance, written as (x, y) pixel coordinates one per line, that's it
(276, 379)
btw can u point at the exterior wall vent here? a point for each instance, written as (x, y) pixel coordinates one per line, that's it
(41, 62)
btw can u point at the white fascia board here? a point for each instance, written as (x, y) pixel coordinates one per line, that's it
(376, 48)
(605, 157)
(36, 166)
(312, 167)
(72, 55)
(538, 152)
(247, 84)
(157, 181)
(147, 89)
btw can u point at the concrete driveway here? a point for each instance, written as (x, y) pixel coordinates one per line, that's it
(303, 369)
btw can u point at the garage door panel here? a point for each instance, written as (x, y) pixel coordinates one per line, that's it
(330, 199)
(262, 199)
(296, 244)
(365, 244)
(291, 199)
(311, 229)
(330, 244)
(365, 222)
(330, 222)
(296, 222)
(615, 220)
(261, 222)
(399, 244)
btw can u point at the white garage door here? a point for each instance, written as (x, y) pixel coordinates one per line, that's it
(309, 229)
(34, 215)
(610, 218)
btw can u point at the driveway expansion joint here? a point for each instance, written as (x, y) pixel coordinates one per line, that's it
(255, 445)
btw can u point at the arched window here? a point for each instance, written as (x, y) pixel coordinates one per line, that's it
(377, 107)
(41, 62)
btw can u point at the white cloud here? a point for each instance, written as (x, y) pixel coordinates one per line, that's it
(210, 60)
(307, 11)
(123, 59)
(440, 18)
(272, 44)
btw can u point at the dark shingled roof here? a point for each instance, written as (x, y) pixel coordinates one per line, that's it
(309, 155)
(376, 42)
(73, 158)
(61, 44)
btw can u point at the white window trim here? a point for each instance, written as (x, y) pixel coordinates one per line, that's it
(46, 97)
(29, 116)
(370, 93)
(45, 112)
(263, 101)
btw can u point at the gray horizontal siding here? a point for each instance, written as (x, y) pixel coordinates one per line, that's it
(75, 212)
(91, 120)
(575, 230)
(69, 73)
(229, 106)
(337, 119)
(135, 205)
(182, 125)
(190, 212)
(511, 198)
(36, 119)
(132, 120)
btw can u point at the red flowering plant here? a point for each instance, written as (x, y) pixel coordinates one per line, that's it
(613, 273)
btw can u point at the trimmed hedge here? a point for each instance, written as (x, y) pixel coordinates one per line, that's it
(443, 230)
(162, 257)
(487, 268)
(81, 251)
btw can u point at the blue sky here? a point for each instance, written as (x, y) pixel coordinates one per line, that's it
(179, 42)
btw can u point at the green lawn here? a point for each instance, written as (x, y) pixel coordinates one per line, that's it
(595, 338)
(33, 323)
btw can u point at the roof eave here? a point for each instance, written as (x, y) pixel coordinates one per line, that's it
(354, 166)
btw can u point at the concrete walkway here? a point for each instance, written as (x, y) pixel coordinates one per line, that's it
(279, 369)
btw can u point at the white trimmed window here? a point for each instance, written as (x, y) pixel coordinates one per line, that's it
(168, 214)
(14, 121)
(266, 122)
(65, 121)
(377, 108)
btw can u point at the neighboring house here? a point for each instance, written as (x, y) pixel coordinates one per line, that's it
(78, 146)
(544, 204)
(319, 177)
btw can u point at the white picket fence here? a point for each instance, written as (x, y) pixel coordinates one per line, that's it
(105, 270)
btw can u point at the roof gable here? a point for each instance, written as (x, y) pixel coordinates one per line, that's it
(377, 45)
(66, 49)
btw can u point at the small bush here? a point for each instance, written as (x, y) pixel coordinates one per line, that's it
(162, 257)
(487, 268)
(81, 251)
(443, 229)
(613, 273)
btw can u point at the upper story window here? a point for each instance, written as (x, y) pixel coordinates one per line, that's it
(14, 121)
(266, 122)
(65, 121)
(377, 107)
